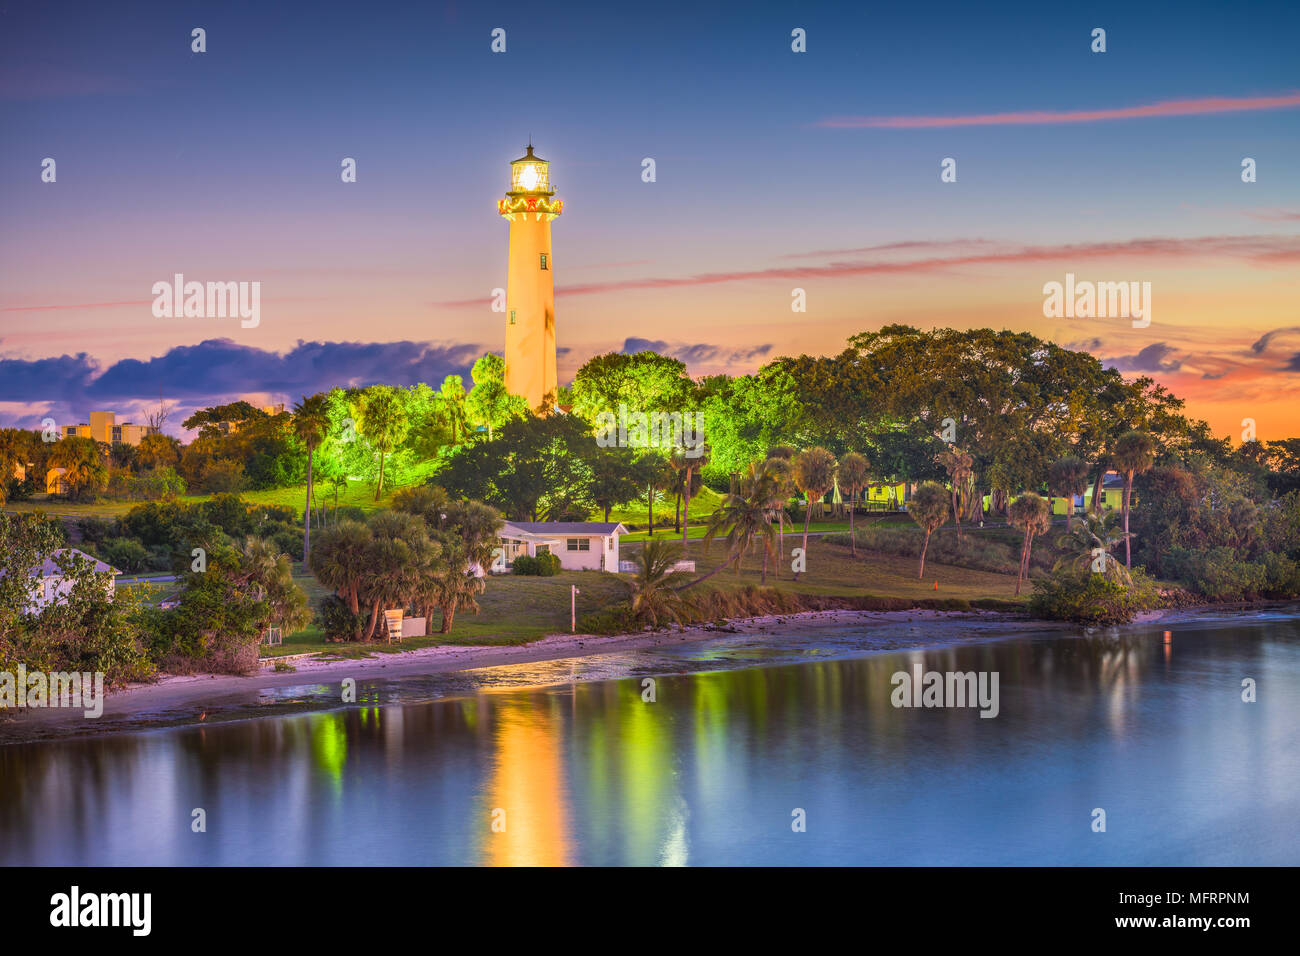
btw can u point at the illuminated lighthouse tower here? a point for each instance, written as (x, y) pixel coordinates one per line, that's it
(530, 292)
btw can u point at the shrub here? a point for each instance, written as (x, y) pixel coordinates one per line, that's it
(1217, 573)
(1073, 595)
(338, 623)
(96, 530)
(125, 554)
(288, 542)
(544, 565)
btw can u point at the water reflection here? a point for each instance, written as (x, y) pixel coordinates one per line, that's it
(589, 773)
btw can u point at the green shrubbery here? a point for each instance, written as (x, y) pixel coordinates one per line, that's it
(1069, 594)
(544, 565)
(160, 535)
(337, 621)
(83, 631)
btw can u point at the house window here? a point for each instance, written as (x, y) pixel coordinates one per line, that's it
(512, 316)
(579, 544)
(544, 258)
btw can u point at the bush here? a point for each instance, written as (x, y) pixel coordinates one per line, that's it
(1073, 595)
(125, 554)
(1218, 574)
(544, 565)
(21, 490)
(150, 485)
(288, 542)
(338, 623)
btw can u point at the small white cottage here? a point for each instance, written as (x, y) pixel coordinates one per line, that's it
(49, 586)
(580, 545)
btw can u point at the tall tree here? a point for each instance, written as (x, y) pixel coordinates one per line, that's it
(688, 467)
(854, 471)
(1032, 516)
(1067, 478)
(339, 562)
(929, 509)
(383, 425)
(958, 464)
(453, 401)
(310, 423)
(488, 403)
(814, 473)
(83, 461)
(746, 517)
(1134, 454)
(779, 467)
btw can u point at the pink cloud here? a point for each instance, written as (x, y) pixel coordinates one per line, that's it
(1197, 107)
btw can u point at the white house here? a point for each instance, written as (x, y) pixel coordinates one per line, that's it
(580, 545)
(50, 586)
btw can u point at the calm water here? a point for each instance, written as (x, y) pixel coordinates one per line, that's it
(588, 773)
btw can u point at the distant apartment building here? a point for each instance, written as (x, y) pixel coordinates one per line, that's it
(105, 427)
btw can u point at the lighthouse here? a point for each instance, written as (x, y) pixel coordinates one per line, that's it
(530, 205)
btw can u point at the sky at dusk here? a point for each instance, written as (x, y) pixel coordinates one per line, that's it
(774, 170)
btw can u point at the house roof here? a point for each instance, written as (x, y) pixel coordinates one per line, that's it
(567, 527)
(51, 569)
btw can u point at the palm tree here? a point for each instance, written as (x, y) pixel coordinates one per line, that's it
(691, 467)
(814, 474)
(651, 597)
(779, 464)
(83, 462)
(268, 571)
(311, 421)
(339, 561)
(656, 473)
(15, 450)
(853, 471)
(1092, 541)
(958, 464)
(929, 509)
(383, 424)
(1030, 514)
(747, 518)
(338, 483)
(1134, 454)
(1068, 478)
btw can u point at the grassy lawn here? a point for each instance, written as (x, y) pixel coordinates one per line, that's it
(359, 494)
(516, 609)
(832, 570)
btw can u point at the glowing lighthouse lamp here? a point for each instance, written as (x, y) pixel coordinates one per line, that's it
(530, 289)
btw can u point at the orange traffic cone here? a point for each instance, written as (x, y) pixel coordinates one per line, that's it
(936, 585)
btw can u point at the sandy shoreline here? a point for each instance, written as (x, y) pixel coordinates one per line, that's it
(173, 692)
